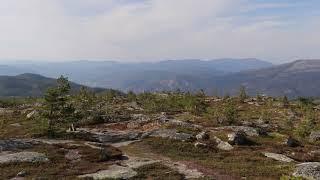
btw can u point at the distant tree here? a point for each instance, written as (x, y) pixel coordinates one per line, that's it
(112, 94)
(179, 91)
(201, 93)
(308, 123)
(285, 101)
(305, 103)
(56, 103)
(200, 106)
(131, 96)
(242, 93)
(259, 97)
(230, 113)
(85, 99)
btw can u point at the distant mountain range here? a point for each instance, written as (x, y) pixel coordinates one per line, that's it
(110, 74)
(299, 78)
(32, 85)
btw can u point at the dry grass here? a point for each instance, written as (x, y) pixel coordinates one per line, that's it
(241, 162)
(157, 171)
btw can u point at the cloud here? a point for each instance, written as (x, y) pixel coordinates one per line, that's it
(145, 30)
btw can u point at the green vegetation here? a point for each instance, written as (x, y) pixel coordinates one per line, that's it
(308, 124)
(242, 94)
(173, 102)
(285, 101)
(51, 115)
(226, 114)
(57, 109)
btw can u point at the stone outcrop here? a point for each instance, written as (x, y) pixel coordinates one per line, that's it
(15, 144)
(278, 157)
(200, 145)
(175, 122)
(202, 136)
(108, 136)
(32, 114)
(125, 171)
(315, 136)
(29, 157)
(249, 131)
(113, 172)
(222, 145)
(291, 142)
(238, 138)
(308, 170)
(168, 133)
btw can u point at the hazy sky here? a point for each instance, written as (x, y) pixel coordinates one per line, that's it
(146, 30)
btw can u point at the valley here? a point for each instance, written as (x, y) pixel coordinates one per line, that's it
(216, 77)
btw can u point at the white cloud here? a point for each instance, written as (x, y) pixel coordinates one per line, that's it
(150, 30)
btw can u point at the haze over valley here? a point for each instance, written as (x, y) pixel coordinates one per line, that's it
(221, 76)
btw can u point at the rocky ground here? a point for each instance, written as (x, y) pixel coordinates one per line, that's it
(163, 145)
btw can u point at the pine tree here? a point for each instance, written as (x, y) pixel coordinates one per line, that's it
(285, 101)
(242, 93)
(56, 103)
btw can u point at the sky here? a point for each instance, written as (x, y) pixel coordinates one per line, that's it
(152, 30)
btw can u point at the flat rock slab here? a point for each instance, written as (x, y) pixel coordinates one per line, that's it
(249, 131)
(278, 157)
(309, 170)
(183, 124)
(30, 157)
(169, 133)
(15, 144)
(52, 141)
(113, 172)
(107, 136)
(315, 136)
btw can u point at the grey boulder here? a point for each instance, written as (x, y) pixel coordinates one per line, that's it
(29, 157)
(170, 134)
(278, 157)
(314, 136)
(308, 170)
(202, 136)
(107, 136)
(114, 172)
(238, 138)
(222, 145)
(15, 144)
(249, 131)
